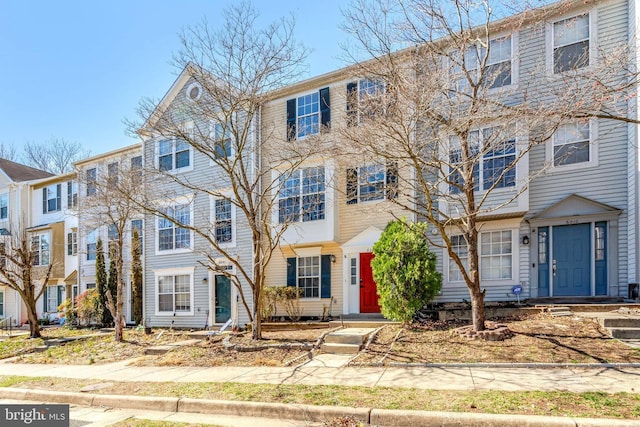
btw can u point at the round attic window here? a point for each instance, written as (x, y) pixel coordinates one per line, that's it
(194, 91)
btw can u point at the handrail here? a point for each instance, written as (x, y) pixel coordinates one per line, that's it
(6, 324)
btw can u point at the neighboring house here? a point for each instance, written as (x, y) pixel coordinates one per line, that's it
(14, 213)
(180, 289)
(93, 173)
(574, 232)
(53, 231)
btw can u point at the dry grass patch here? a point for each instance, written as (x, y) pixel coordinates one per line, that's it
(538, 338)
(102, 348)
(555, 403)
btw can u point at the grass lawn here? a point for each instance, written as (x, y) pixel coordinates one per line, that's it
(551, 403)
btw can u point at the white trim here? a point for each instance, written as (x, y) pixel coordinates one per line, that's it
(319, 114)
(308, 252)
(173, 170)
(593, 33)
(182, 200)
(178, 271)
(187, 92)
(224, 195)
(593, 151)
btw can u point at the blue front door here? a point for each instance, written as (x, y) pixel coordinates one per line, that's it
(571, 263)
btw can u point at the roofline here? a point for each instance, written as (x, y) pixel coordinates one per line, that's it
(62, 177)
(132, 147)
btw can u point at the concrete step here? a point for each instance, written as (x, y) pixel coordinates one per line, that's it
(158, 350)
(557, 308)
(625, 333)
(361, 323)
(621, 322)
(349, 336)
(334, 348)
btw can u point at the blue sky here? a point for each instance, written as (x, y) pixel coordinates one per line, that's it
(77, 69)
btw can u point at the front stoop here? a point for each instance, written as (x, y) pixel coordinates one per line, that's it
(346, 341)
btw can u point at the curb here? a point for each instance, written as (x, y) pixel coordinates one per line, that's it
(312, 413)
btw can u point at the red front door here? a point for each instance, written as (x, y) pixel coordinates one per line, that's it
(368, 291)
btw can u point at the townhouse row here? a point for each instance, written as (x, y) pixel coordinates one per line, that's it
(571, 231)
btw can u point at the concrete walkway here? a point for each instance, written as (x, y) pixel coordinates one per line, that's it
(472, 377)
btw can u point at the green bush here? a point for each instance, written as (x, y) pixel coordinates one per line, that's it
(404, 270)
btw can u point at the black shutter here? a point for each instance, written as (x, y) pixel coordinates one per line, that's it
(58, 197)
(59, 297)
(325, 276)
(325, 109)
(291, 272)
(69, 243)
(291, 119)
(44, 200)
(44, 295)
(352, 104)
(69, 196)
(392, 180)
(352, 186)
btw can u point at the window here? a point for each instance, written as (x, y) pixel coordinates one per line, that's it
(91, 286)
(3, 255)
(53, 298)
(52, 198)
(309, 277)
(571, 144)
(571, 38)
(353, 271)
(222, 138)
(497, 72)
(72, 194)
(112, 173)
(307, 114)
(72, 243)
(4, 206)
(542, 247)
(173, 155)
(113, 235)
(174, 293)
(223, 221)
(91, 181)
(301, 196)
(136, 167)
(600, 246)
(372, 182)
(362, 100)
(493, 169)
(92, 239)
(170, 235)
(459, 247)
(495, 255)
(40, 249)
(136, 224)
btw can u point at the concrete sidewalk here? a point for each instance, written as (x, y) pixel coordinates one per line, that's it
(471, 377)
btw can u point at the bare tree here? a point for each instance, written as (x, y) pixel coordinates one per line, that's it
(55, 155)
(442, 103)
(236, 67)
(111, 203)
(8, 151)
(21, 271)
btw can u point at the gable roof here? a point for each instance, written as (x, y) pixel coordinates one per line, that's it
(18, 172)
(575, 205)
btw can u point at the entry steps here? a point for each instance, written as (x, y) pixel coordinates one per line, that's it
(559, 311)
(622, 328)
(346, 341)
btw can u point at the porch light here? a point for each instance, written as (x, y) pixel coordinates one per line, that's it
(525, 240)
(205, 280)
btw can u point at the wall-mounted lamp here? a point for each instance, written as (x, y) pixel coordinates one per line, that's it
(333, 258)
(205, 280)
(525, 240)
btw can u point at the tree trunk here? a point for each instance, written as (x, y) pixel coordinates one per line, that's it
(256, 326)
(477, 309)
(34, 326)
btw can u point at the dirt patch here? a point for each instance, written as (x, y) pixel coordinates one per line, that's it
(539, 338)
(277, 348)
